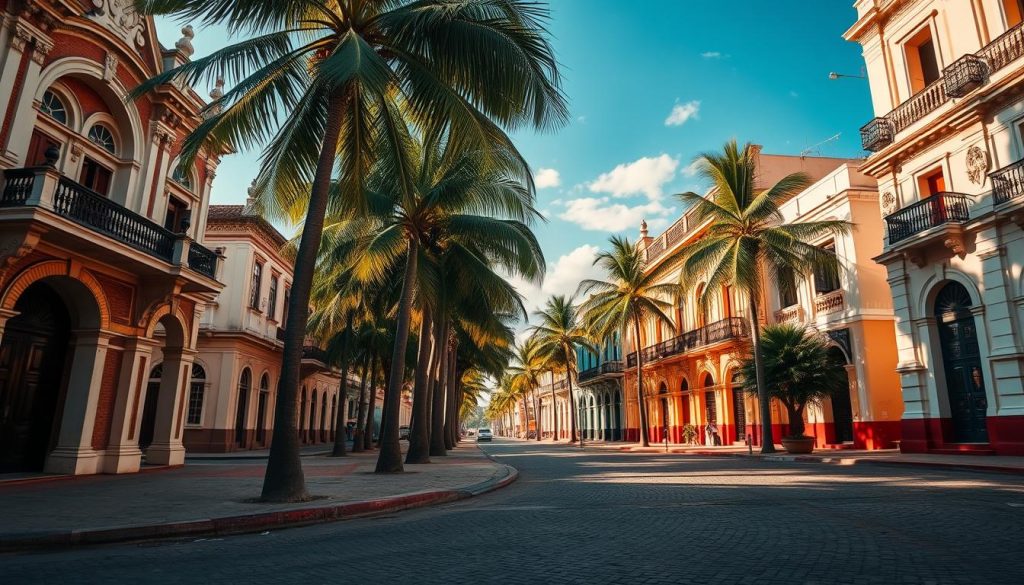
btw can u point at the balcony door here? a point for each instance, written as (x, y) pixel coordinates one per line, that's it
(961, 360)
(96, 176)
(37, 147)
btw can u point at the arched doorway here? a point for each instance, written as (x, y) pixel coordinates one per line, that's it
(618, 416)
(663, 412)
(323, 417)
(244, 385)
(261, 408)
(32, 365)
(842, 407)
(739, 407)
(710, 409)
(961, 360)
(302, 416)
(312, 417)
(149, 408)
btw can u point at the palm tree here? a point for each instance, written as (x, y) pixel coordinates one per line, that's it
(559, 333)
(526, 368)
(798, 370)
(629, 297)
(312, 82)
(747, 242)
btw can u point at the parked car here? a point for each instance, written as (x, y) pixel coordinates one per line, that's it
(484, 435)
(403, 433)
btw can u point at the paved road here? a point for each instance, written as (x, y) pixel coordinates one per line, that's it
(604, 517)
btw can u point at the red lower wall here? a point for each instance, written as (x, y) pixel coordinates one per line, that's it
(1005, 435)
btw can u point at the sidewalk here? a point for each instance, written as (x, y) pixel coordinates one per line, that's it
(988, 463)
(215, 497)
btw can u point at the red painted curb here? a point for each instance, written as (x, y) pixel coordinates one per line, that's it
(252, 522)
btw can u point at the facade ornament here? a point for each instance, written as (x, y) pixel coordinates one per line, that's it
(215, 94)
(956, 245)
(184, 44)
(977, 164)
(109, 67)
(888, 203)
(643, 228)
(122, 19)
(76, 151)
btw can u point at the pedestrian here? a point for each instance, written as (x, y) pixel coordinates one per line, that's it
(713, 432)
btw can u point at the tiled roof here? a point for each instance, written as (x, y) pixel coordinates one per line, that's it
(236, 213)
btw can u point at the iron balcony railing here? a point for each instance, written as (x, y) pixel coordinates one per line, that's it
(610, 367)
(724, 330)
(1008, 182)
(939, 209)
(958, 79)
(98, 213)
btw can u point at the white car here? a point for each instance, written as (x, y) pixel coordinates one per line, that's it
(484, 435)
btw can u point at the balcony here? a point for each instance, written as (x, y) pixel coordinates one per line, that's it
(937, 210)
(828, 303)
(611, 367)
(1008, 183)
(958, 79)
(719, 331)
(793, 314)
(43, 188)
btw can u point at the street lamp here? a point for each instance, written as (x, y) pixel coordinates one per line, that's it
(833, 75)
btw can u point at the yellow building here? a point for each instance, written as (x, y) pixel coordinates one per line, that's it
(690, 376)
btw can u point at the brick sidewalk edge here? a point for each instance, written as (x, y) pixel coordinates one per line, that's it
(250, 523)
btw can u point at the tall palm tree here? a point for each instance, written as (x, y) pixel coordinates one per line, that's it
(631, 296)
(559, 333)
(311, 82)
(526, 368)
(747, 242)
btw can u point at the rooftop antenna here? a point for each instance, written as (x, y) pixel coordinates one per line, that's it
(815, 148)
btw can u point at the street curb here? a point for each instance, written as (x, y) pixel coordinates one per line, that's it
(249, 523)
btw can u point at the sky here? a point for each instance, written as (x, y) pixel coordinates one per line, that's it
(651, 84)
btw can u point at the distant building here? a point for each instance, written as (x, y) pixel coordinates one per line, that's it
(948, 153)
(600, 390)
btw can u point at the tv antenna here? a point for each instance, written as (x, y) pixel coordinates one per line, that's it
(816, 148)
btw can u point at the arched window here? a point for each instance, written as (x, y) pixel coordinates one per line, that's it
(103, 137)
(182, 177)
(261, 407)
(244, 385)
(54, 107)
(195, 395)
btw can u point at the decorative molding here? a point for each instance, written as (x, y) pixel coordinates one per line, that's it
(121, 17)
(888, 202)
(109, 66)
(956, 245)
(977, 164)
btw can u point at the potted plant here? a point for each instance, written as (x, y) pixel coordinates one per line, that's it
(798, 371)
(690, 434)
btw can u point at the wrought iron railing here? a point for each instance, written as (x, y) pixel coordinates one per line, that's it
(966, 74)
(934, 211)
(1008, 182)
(724, 330)
(91, 209)
(610, 367)
(202, 260)
(18, 185)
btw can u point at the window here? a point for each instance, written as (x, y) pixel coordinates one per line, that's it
(37, 147)
(826, 278)
(787, 288)
(1014, 10)
(284, 312)
(195, 395)
(272, 301)
(727, 301)
(96, 176)
(181, 177)
(54, 107)
(931, 183)
(257, 283)
(261, 407)
(179, 216)
(703, 309)
(244, 384)
(922, 60)
(103, 137)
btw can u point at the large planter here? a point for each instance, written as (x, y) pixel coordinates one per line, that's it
(798, 445)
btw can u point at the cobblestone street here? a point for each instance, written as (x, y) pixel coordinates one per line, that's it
(604, 517)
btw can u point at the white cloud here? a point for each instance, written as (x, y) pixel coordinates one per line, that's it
(645, 176)
(563, 277)
(683, 113)
(546, 178)
(691, 169)
(711, 55)
(599, 214)
(582, 119)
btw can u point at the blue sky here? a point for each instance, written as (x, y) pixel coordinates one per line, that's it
(651, 84)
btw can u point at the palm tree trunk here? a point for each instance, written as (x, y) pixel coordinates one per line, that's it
(419, 431)
(390, 458)
(452, 421)
(767, 442)
(357, 430)
(449, 399)
(526, 418)
(342, 415)
(554, 409)
(284, 480)
(536, 411)
(572, 407)
(371, 404)
(641, 404)
(437, 442)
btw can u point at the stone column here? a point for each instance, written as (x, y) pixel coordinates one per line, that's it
(74, 454)
(167, 448)
(123, 454)
(25, 39)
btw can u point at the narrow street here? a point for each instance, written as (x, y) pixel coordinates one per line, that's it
(605, 517)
